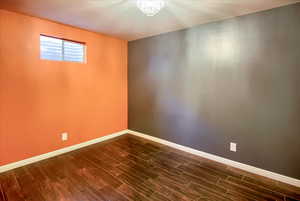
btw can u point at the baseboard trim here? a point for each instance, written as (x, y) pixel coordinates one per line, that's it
(34, 159)
(245, 167)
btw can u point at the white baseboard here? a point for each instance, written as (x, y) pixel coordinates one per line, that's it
(235, 164)
(245, 167)
(34, 159)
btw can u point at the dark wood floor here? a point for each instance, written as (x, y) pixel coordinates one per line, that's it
(133, 169)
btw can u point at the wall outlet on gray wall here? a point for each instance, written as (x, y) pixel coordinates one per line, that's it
(233, 147)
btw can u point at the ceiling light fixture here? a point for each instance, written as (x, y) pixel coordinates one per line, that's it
(150, 7)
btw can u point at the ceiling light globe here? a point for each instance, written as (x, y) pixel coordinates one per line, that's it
(150, 7)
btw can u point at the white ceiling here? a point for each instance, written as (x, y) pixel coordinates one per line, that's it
(122, 18)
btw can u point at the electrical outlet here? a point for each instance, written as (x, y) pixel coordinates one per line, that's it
(64, 136)
(233, 147)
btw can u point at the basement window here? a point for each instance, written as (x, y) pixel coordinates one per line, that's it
(57, 49)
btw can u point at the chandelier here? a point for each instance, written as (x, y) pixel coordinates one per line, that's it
(150, 7)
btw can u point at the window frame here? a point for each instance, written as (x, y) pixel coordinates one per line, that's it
(63, 49)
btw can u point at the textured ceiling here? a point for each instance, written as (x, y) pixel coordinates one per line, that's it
(122, 18)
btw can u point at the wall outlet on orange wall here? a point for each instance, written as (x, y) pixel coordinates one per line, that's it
(64, 136)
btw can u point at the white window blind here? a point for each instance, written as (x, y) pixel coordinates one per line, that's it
(73, 51)
(61, 50)
(51, 48)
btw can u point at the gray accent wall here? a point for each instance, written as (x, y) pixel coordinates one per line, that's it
(236, 80)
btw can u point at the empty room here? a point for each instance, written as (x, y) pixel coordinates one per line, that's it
(149, 100)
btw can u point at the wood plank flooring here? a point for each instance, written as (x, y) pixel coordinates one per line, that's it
(129, 168)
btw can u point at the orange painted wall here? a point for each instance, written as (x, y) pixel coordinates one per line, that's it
(40, 99)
